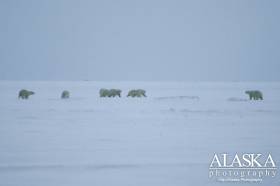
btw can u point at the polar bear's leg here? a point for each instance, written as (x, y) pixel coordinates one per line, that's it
(255, 96)
(251, 95)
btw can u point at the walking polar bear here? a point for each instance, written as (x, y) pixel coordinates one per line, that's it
(24, 94)
(65, 94)
(109, 93)
(137, 93)
(254, 94)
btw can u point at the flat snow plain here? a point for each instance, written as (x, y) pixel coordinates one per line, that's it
(166, 139)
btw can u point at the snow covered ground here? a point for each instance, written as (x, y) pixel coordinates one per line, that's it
(166, 139)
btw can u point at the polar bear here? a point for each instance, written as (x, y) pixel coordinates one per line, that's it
(24, 94)
(115, 92)
(109, 93)
(65, 94)
(137, 93)
(254, 94)
(103, 92)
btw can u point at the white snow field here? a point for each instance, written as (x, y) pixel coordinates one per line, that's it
(166, 139)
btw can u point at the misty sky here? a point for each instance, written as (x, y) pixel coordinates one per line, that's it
(157, 40)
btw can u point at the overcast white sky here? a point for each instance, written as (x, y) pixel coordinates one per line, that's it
(154, 40)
